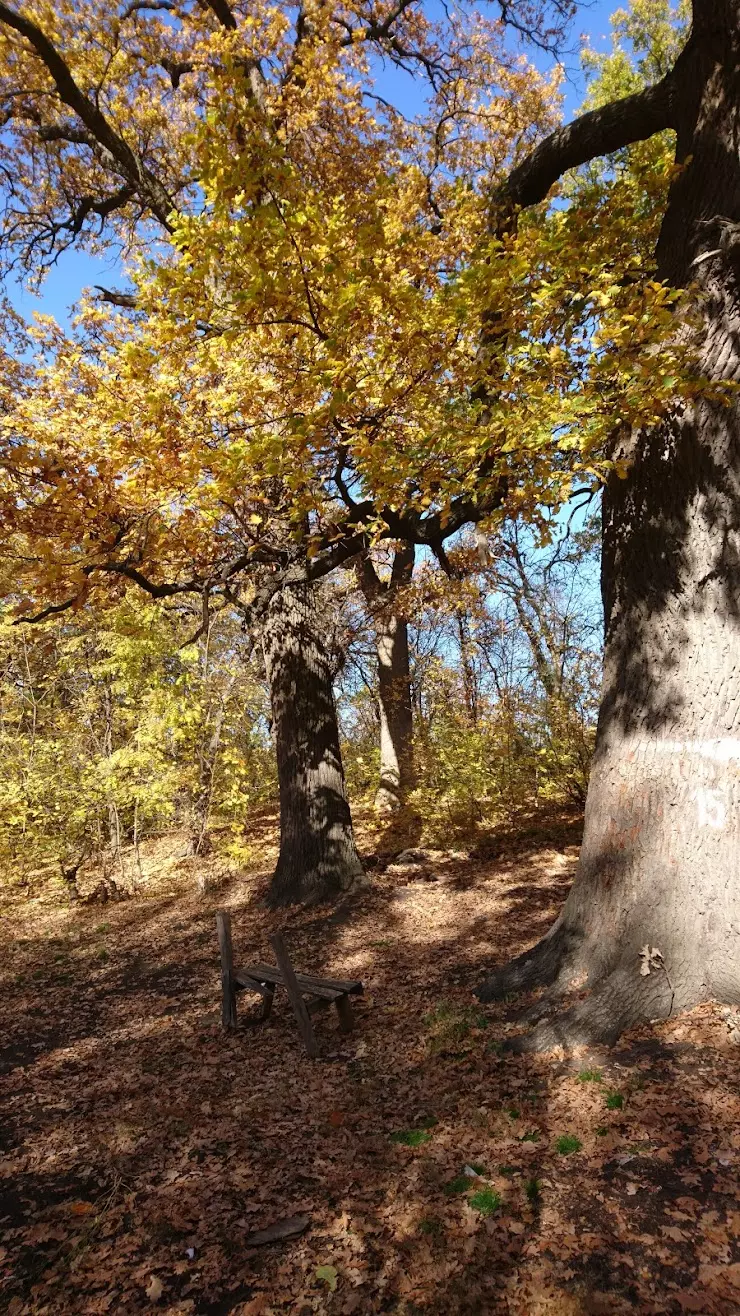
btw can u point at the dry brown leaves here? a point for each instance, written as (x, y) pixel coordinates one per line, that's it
(142, 1147)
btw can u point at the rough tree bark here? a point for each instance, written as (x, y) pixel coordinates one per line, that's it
(318, 858)
(652, 923)
(394, 678)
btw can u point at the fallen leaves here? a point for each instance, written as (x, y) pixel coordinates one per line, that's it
(147, 1146)
(154, 1289)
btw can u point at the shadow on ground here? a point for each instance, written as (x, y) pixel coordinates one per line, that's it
(141, 1145)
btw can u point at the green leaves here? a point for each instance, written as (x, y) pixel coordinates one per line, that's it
(411, 1137)
(590, 1076)
(567, 1144)
(485, 1202)
(328, 1275)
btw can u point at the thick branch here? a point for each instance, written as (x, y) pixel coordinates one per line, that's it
(600, 132)
(102, 207)
(116, 298)
(223, 13)
(137, 6)
(176, 70)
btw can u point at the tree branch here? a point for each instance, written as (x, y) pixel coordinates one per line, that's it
(137, 6)
(222, 11)
(600, 132)
(116, 298)
(148, 187)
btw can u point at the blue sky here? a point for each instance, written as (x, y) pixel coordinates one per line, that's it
(76, 270)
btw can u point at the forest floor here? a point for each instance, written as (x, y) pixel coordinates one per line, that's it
(438, 1174)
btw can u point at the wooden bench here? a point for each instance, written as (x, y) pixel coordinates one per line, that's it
(264, 978)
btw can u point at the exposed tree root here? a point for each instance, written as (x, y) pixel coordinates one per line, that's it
(315, 889)
(615, 1003)
(538, 967)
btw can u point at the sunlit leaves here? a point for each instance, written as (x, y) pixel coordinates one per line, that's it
(331, 323)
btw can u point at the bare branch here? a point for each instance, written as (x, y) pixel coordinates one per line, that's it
(137, 6)
(52, 610)
(131, 166)
(116, 298)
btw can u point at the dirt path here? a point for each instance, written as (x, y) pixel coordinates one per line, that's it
(140, 1146)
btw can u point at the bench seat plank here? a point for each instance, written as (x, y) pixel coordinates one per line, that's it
(250, 980)
(329, 988)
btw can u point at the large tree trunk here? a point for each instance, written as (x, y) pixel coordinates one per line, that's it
(318, 858)
(652, 923)
(396, 779)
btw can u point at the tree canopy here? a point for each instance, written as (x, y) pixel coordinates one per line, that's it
(333, 330)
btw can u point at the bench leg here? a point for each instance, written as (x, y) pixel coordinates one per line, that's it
(346, 1014)
(228, 990)
(294, 992)
(267, 1000)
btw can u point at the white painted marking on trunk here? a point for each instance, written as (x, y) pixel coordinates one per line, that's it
(711, 805)
(722, 750)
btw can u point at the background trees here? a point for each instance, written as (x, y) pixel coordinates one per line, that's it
(146, 731)
(138, 732)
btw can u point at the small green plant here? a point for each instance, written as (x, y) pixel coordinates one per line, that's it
(496, 1046)
(513, 1112)
(602, 1131)
(103, 927)
(508, 1171)
(430, 1225)
(459, 1184)
(614, 1100)
(533, 1189)
(411, 1137)
(478, 1168)
(532, 1136)
(568, 1143)
(102, 955)
(589, 1076)
(486, 1201)
(451, 1024)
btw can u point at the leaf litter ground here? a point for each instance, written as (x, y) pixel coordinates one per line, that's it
(141, 1147)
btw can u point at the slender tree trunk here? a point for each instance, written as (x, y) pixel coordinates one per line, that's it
(396, 779)
(652, 923)
(318, 858)
(208, 755)
(469, 675)
(394, 706)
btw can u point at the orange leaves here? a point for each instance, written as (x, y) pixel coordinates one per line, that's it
(307, 316)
